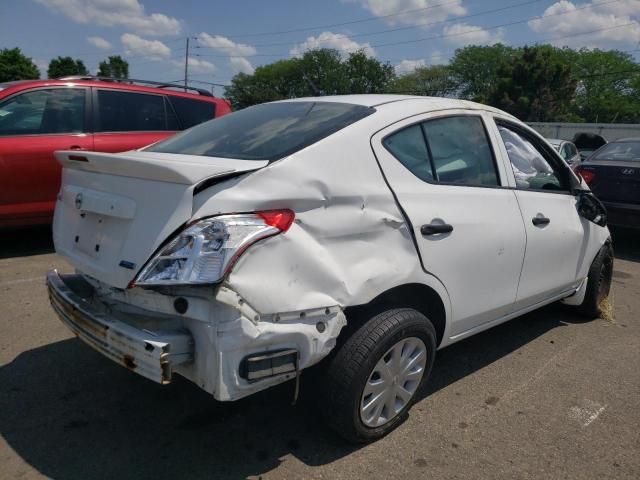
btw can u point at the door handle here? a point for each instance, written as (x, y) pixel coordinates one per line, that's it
(76, 147)
(537, 221)
(435, 228)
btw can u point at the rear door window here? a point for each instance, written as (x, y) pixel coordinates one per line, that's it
(192, 112)
(129, 112)
(451, 150)
(264, 132)
(44, 111)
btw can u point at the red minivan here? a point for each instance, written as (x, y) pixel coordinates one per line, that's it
(38, 117)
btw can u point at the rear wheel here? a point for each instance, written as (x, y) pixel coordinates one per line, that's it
(598, 283)
(373, 379)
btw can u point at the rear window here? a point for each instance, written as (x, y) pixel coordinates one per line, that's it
(628, 151)
(192, 112)
(265, 132)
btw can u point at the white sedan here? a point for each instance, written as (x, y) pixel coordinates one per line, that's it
(356, 233)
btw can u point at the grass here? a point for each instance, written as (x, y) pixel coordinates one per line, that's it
(607, 310)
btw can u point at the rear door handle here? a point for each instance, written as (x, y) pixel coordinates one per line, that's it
(76, 147)
(537, 221)
(435, 228)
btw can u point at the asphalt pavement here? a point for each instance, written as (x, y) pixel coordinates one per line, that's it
(547, 395)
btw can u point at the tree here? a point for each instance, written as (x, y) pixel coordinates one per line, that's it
(433, 81)
(318, 72)
(537, 86)
(65, 66)
(476, 68)
(365, 74)
(608, 85)
(15, 66)
(114, 66)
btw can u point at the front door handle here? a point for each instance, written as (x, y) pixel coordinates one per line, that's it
(76, 147)
(435, 228)
(537, 221)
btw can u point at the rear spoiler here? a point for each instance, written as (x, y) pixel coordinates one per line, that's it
(163, 167)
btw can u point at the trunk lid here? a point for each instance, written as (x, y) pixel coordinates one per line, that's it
(617, 182)
(115, 210)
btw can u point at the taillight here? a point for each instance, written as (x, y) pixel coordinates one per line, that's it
(205, 251)
(587, 174)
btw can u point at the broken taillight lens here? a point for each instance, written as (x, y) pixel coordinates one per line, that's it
(205, 251)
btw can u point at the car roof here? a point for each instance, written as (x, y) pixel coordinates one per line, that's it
(376, 100)
(11, 87)
(555, 141)
(630, 139)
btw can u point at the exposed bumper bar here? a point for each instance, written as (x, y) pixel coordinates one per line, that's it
(152, 354)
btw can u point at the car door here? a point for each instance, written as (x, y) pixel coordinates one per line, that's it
(130, 120)
(34, 124)
(465, 220)
(556, 236)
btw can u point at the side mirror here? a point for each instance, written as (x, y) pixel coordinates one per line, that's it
(591, 208)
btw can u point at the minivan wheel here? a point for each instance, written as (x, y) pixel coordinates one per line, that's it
(372, 381)
(598, 282)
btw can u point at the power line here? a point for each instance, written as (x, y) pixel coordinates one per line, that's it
(352, 22)
(417, 25)
(449, 35)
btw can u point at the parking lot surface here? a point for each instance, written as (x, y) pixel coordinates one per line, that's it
(547, 395)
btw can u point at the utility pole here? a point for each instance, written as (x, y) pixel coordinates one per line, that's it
(186, 65)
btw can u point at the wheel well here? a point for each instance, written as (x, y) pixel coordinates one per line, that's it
(413, 295)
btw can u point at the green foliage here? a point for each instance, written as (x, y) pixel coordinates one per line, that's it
(115, 67)
(475, 69)
(537, 85)
(318, 72)
(15, 66)
(65, 66)
(608, 88)
(432, 81)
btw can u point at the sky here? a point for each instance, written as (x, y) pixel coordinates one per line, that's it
(227, 37)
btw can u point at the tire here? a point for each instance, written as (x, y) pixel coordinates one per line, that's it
(401, 331)
(598, 282)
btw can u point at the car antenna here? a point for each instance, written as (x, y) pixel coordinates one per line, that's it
(316, 91)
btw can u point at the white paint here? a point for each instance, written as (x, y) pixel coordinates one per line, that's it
(587, 413)
(21, 280)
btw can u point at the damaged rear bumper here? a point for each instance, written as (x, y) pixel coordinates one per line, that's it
(152, 354)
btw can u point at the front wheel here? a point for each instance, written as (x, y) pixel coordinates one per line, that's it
(373, 379)
(598, 283)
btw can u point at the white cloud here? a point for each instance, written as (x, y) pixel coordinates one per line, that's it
(225, 45)
(241, 65)
(464, 34)
(568, 20)
(99, 42)
(152, 49)
(408, 66)
(196, 65)
(236, 51)
(428, 11)
(124, 13)
(332, 40)
(200, 66)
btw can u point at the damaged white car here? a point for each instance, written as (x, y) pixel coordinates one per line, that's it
(362, 233)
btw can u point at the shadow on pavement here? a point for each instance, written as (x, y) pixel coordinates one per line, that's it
(23, 242)
(626, 243)
(72, 414)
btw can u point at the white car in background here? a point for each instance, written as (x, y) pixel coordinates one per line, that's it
(360, 233)
(566, 149)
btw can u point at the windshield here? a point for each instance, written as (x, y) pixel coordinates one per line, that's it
(625, 151)
(264, 132)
